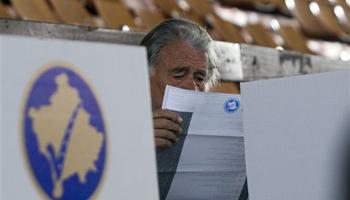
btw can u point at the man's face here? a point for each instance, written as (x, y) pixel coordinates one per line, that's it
(179, 65)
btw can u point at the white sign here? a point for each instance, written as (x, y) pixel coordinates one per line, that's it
(75, 121)
(297, 137)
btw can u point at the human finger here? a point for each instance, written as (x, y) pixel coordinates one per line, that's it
(162, 143)
(163, 133)
(167, 124)
(171, 115)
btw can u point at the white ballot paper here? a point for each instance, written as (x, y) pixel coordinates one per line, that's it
(208, 162)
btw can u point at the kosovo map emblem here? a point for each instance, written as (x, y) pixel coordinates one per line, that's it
(64, 135)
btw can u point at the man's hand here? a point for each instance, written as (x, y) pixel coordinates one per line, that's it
(166, 128)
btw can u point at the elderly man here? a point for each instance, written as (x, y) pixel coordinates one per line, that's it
(179, 54)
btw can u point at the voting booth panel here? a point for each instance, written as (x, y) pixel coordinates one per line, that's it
(297, 137)
(70, 129)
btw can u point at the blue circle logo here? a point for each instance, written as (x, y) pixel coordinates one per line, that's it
(64, 135)
(231, 105)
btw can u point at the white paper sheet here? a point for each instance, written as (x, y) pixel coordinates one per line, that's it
(210, 162)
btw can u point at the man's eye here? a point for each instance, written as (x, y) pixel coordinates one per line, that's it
(200, 78)
(179, 75)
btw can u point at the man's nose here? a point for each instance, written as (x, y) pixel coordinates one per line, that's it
(190, 84)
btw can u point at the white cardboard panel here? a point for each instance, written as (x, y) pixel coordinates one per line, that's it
(297, 136)
(118, 75)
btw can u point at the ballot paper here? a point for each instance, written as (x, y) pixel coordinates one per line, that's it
(208, 162)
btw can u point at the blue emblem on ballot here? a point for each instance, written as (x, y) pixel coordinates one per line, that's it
(231, 105)
(64, 135)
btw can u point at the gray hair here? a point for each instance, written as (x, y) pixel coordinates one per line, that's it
(183, 30)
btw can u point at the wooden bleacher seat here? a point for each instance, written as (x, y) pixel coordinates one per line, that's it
(193, 17)
(169, 7)
(238, 3)
(346, 25)
(328, 19)
(294, 39)
(281, 6)
(344, 21)
(261, 36)
(228, 31)
(37, 10)
(343, 3)
(307, 20)
(172, 9)
(149, 19)
(273, 5)
(115, 14)
(202, 7)
(265, 5)
(73, 12)
(227, 87)
(3, 11)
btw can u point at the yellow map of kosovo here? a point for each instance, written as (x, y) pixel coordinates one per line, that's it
(51, 125)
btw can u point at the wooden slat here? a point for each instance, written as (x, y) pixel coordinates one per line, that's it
(307, 20)
(294, 39)
(343, 3)
(261, 35)
(3, 11)
(171, 9)
(168, 6)
(228, 31)
(238, 3)
(37, 10)
(72, 12)
(115, 14)
(150, 19)
(202, 7)
(281, 5)
(328, 19)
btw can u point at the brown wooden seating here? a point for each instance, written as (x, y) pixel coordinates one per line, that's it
(281, 5)
(37, 10)
(193, 17)
(272, 6)
(237, 3)
(149, 19)
(294, 39)
(72, 12)
(202, 7)
(3, 11)
(228, 31)
(343, 3)
(328, 19)
(307, 20)
(261, 36)
(169, 7)
(115, 14)
(266, 5)
(343, 17)
(346, 25)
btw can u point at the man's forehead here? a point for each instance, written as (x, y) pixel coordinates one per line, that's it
(183, 52)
